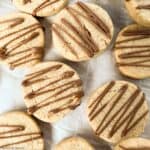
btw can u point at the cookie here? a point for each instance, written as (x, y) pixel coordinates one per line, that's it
(139, 10)
(117, 110)
(21, 40)
(134, 144)
(82, 31)
(19, 131)
(132, 51)
(74, 143)
(52, 90)
(41, 8)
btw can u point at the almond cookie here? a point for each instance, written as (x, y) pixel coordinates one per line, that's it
(118, 110)
(52, 90)
(134, 144)
(139, 10)
(21, 40)
(19, 131)
(81, 31)
(74, 143)
(40, 8)
(132, 51)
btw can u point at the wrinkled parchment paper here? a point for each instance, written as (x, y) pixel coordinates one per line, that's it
(93, 73)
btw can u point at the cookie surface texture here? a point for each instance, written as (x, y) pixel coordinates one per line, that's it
(52, 90)
(82, 31)
(19, 34)
(41, 8)
(74, 143)
(132, 52)
(117, 110)
(19, 131)
(139, 10)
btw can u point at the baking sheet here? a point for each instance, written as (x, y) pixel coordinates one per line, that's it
(93, 73)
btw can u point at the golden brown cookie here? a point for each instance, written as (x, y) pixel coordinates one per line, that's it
(19, 131)
(19, 34)
(134, 144)
(82, 31)
(118, 110)
(139, 10)
(52, 90)
(40, 8)
(74, 143)
(132, 51)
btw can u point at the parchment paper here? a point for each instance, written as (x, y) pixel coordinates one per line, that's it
(93, 73)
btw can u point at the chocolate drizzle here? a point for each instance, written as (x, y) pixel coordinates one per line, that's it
(133, 148)
(55, 89)
(142, 52)
(11, 48)
(81, 35)
(143, 7)
(125, 116)
(13, 132)
(43, 5)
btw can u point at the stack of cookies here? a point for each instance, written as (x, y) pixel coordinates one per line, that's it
(118, 111)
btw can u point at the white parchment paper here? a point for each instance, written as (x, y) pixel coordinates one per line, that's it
(93, 73)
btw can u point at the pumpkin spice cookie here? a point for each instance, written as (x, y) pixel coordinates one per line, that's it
(132, 51)
(19, 34)
(82, 31)
(40, 8)
(19, 131)
(134, 144)
(139, 10)
(74, 143)
(52, 90)
(118, 110)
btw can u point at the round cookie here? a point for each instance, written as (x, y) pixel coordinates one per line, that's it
(52, 90)
(139, 10)
(19, 34)
(117, 110)
(132, 51)
(19, 131)
(82, 31)
(134, 144)
(40, 8)
(74, 143)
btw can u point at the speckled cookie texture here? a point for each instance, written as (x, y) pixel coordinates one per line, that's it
(52, 90)
(40, 8)
(139, 10)
(117, 110)
(132, 51)
(82, 31)
(19, 131)
(74, 143)
(19, 34)
(134, 144)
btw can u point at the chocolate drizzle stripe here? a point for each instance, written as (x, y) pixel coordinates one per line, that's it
(94, 104)
(143, 7)
(132, 46)
(22, 141)
(85, 35)
(135, 148)
(133, 39)
(84, 46)
(43, 104)
(121, 92)
(43, 5)
(145, 32)
(14, 22)
(65, 75)
(20, 135)
(73, 51)
(94, 18)
(13, 128)
(135, 54)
